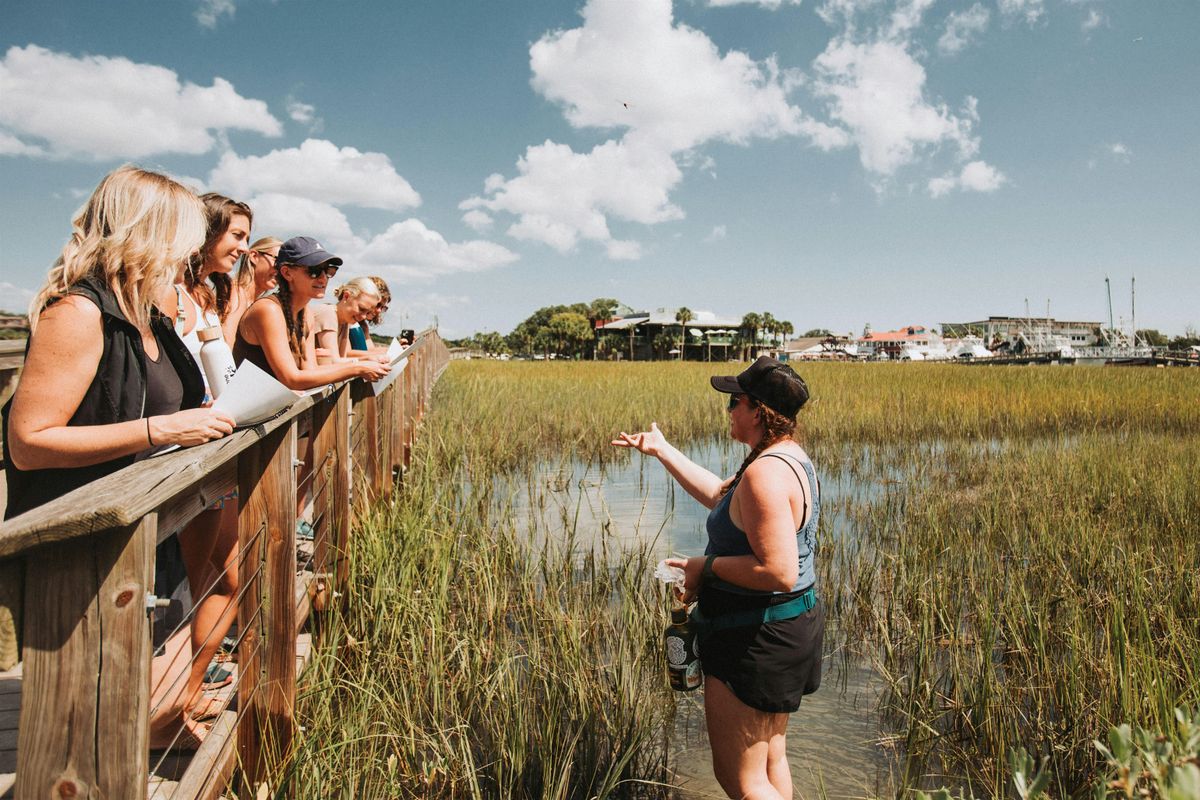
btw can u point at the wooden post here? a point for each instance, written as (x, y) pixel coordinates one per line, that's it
(84, 727)
(331, 432)
(267, 611)
(365, 443)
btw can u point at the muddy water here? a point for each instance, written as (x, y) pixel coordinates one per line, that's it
(833, 740)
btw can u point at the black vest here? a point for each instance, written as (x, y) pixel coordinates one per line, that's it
(117, 394)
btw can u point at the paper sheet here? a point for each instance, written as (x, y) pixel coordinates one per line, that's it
(378, 386)
(252, 396)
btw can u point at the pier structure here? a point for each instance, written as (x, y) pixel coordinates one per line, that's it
(77, 580)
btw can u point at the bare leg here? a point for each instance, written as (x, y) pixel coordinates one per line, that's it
(209, 545)
(743, 741)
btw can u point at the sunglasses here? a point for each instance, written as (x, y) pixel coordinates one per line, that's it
(316, 271)
(734, 399)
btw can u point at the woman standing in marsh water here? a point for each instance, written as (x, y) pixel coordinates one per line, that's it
(759, 622)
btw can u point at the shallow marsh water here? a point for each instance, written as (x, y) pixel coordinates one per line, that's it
(631, 502)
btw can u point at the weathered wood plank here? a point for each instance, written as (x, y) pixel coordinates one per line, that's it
(123, 731)
(267, 529)
(87, 635)
(121, 499)
(183, 507)
(12, 583)
(279, 589)
(339, 512)
(211, 767)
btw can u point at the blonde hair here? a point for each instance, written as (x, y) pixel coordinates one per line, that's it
(357, 286)
(245, 275)
(134, 233)
(385, 298)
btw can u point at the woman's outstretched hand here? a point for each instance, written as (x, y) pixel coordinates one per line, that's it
(650, 442)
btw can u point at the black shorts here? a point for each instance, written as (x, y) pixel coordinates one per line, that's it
(768, 667)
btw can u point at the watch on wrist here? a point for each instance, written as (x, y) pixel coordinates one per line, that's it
(707, 574)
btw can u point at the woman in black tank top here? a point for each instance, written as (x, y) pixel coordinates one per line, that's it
(759, 623)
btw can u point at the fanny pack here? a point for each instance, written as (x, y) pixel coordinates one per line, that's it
(800, 604)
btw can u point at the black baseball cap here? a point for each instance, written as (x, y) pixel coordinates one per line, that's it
(771, 382)
(305, 251)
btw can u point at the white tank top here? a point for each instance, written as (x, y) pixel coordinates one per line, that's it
(191, 339)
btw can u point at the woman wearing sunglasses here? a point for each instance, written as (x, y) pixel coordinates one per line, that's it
(275, 333)
(759, 622)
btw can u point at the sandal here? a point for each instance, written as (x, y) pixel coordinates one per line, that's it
(209, 708)
(186, 740)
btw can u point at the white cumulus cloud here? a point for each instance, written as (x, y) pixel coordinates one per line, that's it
(318, 170)
(962, 28)
(877, 90)
(409, 249)
(669, 89)
(975, 176)
(100, 107)
(406, 249)
(478, 221)
(718, 233)
(560, 196)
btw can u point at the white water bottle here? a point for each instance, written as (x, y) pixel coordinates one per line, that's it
(216, 359)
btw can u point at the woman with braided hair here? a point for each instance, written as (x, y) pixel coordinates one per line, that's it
(275, 333)
(759, 623)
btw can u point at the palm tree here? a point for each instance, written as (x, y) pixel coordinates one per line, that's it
(683, 316)
(751, 322)
(769, 325)
(786, 329)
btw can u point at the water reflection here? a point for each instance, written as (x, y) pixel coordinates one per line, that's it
(631, 503)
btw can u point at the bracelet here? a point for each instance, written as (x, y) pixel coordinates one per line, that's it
(707, 574)
(148, 438)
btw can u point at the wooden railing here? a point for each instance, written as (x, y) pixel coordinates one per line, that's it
(86, 565)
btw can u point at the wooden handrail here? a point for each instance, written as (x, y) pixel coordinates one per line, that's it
(88, 559)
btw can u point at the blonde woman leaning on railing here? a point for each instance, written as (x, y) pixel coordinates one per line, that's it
(356, 301)
(105, 378)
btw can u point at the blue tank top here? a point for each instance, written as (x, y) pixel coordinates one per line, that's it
(358, 339)
(727, 539)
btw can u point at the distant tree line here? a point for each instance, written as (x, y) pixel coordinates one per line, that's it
(572, 331)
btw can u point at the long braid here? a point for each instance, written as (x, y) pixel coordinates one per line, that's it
(293, 321)
(776, 428)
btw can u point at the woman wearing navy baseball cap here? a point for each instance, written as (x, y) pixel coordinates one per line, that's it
(759, 621)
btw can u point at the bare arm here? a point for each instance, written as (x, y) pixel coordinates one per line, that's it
(264, 325)
(239, 301)
(695, 479)
(63, 358)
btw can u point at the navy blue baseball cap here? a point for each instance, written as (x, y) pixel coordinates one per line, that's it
(771, 382)
(305, 251)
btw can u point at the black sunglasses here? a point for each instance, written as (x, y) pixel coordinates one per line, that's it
(733, 401)
(317, 270)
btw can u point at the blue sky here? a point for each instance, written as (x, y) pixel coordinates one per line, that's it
(834, 162)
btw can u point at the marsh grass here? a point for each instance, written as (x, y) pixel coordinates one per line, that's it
(1022, 570)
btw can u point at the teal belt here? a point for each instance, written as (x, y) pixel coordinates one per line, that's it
(801, 604)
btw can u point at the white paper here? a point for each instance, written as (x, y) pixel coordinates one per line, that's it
(394, 351)
(378, 386)
(252, 396)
